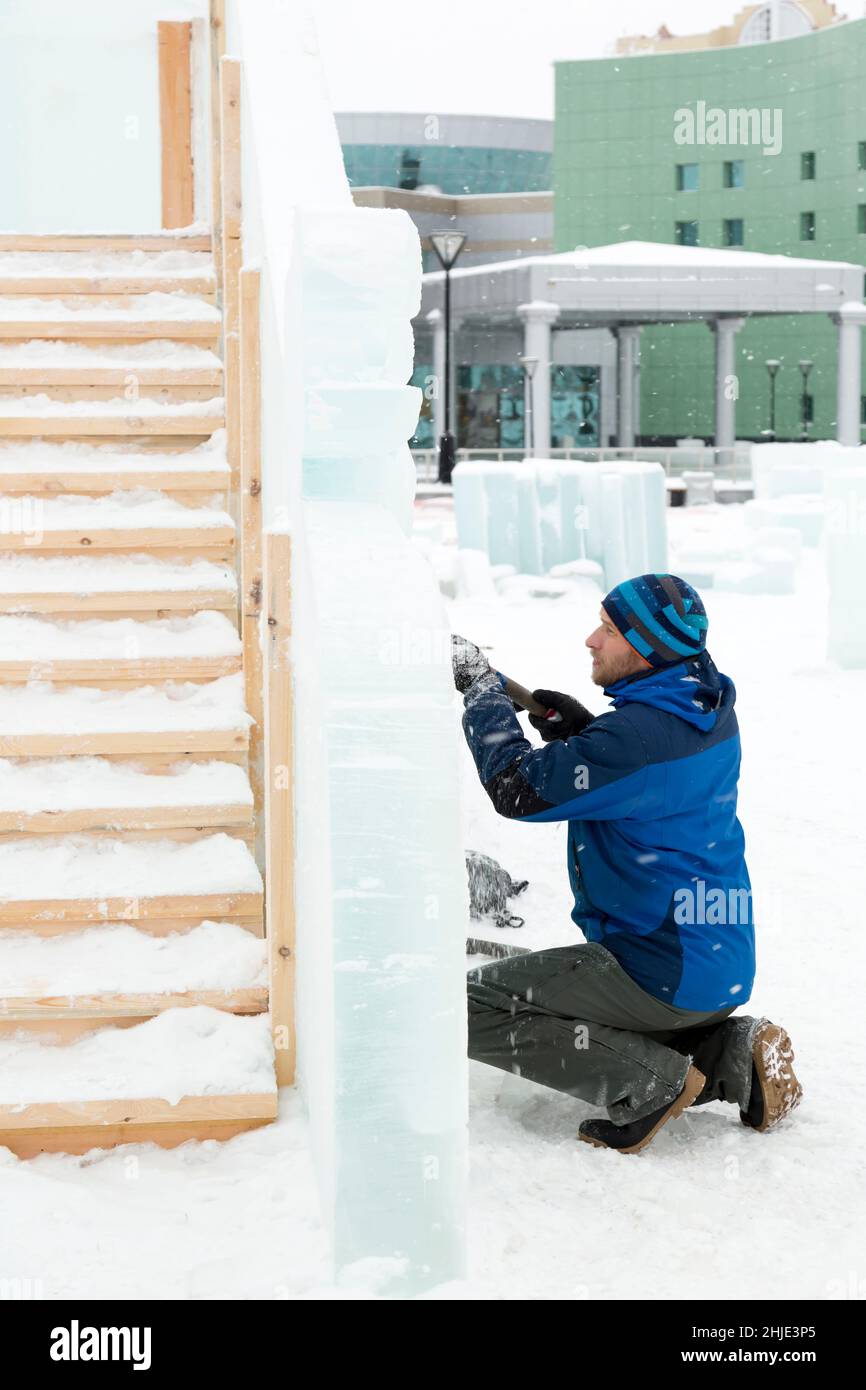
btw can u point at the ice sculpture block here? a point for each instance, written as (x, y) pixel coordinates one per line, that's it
(398, 900)
(781, 469)
(845, 557)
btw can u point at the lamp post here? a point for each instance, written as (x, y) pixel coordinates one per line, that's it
(529, 366)
(773, 366)
(447, 246)
(805, 367)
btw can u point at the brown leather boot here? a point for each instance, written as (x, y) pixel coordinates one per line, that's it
(775, 1089)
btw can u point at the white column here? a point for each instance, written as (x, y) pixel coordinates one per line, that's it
(627, 337)
(850, 320)
(436, 320)
(727, 387)
(538, 317)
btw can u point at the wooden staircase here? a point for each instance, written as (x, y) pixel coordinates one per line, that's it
(129, 691)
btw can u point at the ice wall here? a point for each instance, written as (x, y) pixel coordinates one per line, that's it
(538, 514)
(845, 555)
(381, 896)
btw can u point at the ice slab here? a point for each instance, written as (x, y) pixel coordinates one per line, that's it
(845, 558)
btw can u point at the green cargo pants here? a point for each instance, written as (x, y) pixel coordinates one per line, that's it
(572, 1019)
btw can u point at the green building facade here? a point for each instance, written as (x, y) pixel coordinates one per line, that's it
(671, 148)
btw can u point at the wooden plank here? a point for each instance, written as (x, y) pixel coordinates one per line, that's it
(24, 912)
(55, 482)
(123, 670)
(217, 46)
(279, 803)
(251, 579)
(105, 1008)
(104, 241)
(106, 426)
(157, 926)
(196, 744)
(77, 1126)
(74, 330)
(175, 122)
(179, 538)
(230, 181)
(124, 375)
(106, 286)
(158, 819)
(68, 604)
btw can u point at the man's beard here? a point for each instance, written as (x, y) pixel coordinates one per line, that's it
(614, 668)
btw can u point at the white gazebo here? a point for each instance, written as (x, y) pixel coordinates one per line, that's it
(626, 286)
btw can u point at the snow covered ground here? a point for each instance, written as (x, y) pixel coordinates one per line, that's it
(710, 1210)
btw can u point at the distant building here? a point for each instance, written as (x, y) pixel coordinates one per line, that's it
(789, 19)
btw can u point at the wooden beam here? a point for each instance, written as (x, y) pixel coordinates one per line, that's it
(108, 426)
(104, 241)
(279, 804)
(230, 150)
(104, 286)
(251, 578)
(158, 747)
(23, 1009)
(217, 17)
(175, 122)
(20, 913)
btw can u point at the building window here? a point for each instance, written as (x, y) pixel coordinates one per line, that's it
(734, 173)
(686, 234)
(863, 410)
(732, 229)
(807, 226)
(807, 165)
(687, 178)
(861, 155)
(861, 219)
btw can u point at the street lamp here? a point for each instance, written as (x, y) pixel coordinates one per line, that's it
(805, 367)
(773, 366)
(529, 366)
(447, 246)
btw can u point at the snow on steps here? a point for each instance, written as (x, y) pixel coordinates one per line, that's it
(42, 719)
(75, 794)
(159, 362)
(130, 519)
(42, 415)
(34, 466)
(195, 237)
(115, 971)
(128, 583)
(90, 878)
(187, 1073)
(152, 315)
(202, 645)
(109, 272)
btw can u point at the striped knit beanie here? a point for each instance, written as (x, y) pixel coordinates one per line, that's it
(659, 615)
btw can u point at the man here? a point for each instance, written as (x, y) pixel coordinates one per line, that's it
(637, 1017)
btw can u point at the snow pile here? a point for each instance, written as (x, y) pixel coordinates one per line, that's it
(108, 574)
(177, 707)
(144, 407)
(63, 784)
(206, 634)
(118, 959)
(133, 509)
(177, 307)
(183, 1052)
(88, 866)
(42, 456)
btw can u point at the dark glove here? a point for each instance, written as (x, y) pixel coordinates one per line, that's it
(575, 716)
(468, 662)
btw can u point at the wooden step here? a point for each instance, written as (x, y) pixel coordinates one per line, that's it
(105, 241)
(84, 794)
(106, 286)
(35, 468)
(121, 318)
(124, 522)
(102, 1008)
(118, 651)
(108, 418)
(77, 1127)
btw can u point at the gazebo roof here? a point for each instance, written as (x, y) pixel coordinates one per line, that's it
(646, 282)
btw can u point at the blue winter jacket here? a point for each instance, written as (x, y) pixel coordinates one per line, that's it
(655, 849)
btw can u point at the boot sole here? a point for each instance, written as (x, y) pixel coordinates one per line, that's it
(781, 1092)
(695, 1081)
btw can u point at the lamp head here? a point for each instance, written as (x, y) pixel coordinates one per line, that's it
(447, 246)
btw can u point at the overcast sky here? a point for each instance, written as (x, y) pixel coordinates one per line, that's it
(484, 56)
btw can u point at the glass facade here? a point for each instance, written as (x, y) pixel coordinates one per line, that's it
(575, 400)
(452, 168)
(423, 437)
(490, 399)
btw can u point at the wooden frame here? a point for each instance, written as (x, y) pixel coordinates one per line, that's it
(279, 803)
(251, 579)
(217, 22)
(230, 240)
(175, 120)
